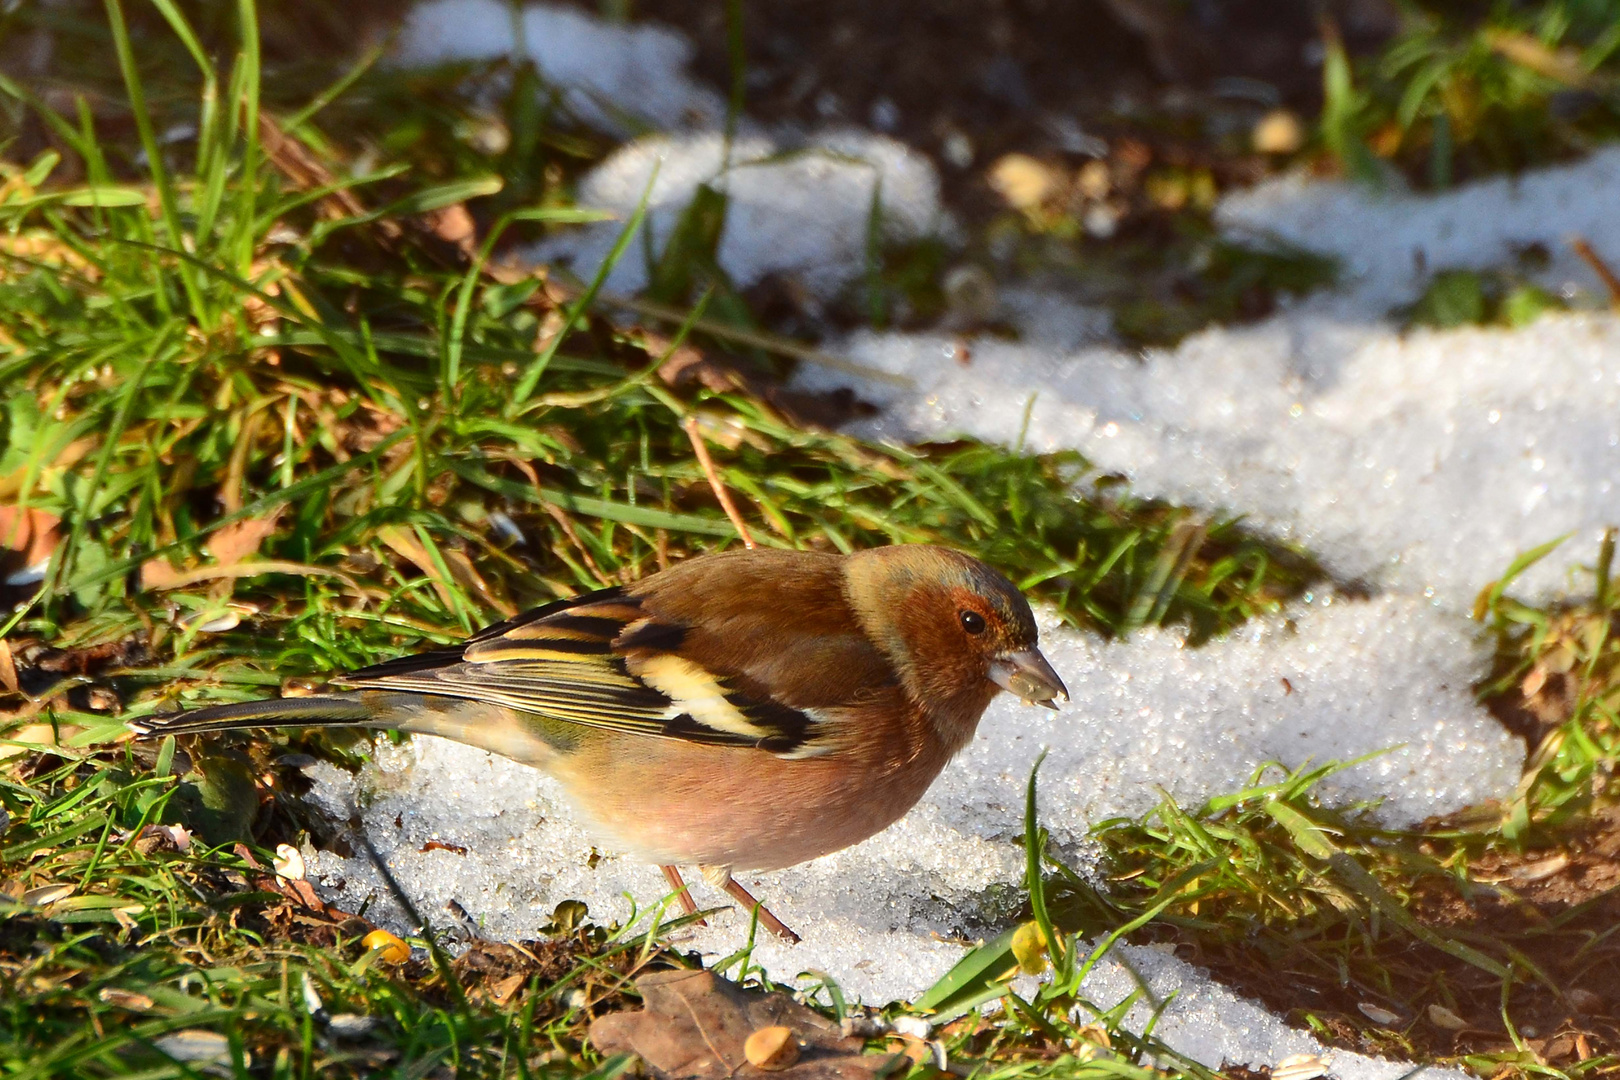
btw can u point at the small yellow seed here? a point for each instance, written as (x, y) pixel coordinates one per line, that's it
(1278, 132)
(390, 949)
(771, 1048)
(1029, 948)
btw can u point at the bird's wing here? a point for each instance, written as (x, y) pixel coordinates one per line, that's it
(602, 661)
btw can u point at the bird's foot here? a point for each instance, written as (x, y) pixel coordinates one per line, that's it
(746, 898)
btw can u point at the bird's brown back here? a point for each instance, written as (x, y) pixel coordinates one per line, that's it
(734, 604)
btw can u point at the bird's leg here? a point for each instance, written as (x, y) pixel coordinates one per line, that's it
(772, 923)
(683, 896)
(720, 877)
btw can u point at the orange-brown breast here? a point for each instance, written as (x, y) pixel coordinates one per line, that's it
(687, 804)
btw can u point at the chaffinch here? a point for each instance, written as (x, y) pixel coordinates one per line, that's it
(747, 710)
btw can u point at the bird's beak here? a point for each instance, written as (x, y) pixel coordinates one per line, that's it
(1027, 675)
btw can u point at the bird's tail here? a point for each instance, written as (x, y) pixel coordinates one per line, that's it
(330, 710)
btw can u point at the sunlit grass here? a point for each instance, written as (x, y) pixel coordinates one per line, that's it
(1469, 90)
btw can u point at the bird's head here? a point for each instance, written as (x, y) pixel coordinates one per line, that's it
(956, 630)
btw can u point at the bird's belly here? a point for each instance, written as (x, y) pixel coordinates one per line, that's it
(677, 803)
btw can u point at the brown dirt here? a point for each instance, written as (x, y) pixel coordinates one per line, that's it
(1556, 908)
(1010, 74)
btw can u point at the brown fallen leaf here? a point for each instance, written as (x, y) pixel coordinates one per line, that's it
(27, 537)
(159, 573)
(71, 454)
(695, 1026)
(8, 668)
(454, 225)
(403, 542)
(232, 543)
(1562, 65)
(33, 738)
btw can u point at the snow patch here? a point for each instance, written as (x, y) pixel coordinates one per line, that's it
(802, 211)
(618, 78)
(1419, 462)
(1390, 242)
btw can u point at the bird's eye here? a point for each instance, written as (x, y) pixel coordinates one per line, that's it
(972, 622)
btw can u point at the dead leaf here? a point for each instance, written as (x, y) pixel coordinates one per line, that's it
(1024, 182)
(71, 454)
(35, 737)
(159, 574)
(305, 170)
(695, 1025)
(31, 535)
(8, 667)
(403, 542)
(232, 543)
(230, 491)
(1561, 65)
(506, 989)
(454, 225)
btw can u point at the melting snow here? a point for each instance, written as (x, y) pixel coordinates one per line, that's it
(619, 78)
(1419, 461)
(803, 210)
(1390, 242)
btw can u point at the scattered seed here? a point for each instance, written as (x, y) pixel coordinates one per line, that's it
(124, 999)
(200, 1047)
(771, 1048)
(1278, 132)
(958, 149)
(1533, 682)
(1022, 181)
(1541, 870)
(1301, 1067)
(914, 1026)
(48, 894)
(1101, 220)
(230, 619)
(1442, 1017)
(312, 997)
(864, 1027)
(1378, 1014)
(350, 1025)
(389, 949)
(1093, 180)
(289, 863)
